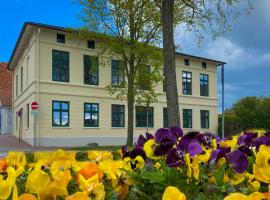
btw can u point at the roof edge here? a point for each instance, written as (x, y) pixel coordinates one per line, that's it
(59, 28)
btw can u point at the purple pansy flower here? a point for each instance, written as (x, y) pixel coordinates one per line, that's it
(175, 158)
(186, 140)
(194, 149)
(238, 161)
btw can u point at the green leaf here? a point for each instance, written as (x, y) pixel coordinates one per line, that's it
(219, 175)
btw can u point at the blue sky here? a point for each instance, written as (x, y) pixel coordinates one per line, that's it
(246, 48)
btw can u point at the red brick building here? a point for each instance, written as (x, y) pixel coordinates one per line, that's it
(5, 99)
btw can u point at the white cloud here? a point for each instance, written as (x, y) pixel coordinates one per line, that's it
(237, 57)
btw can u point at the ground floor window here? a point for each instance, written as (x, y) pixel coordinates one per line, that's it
(165, 118)
(60, 113)
(187, 118)
(91, 114)
(141, 116)
(118, 115)
(204, 119)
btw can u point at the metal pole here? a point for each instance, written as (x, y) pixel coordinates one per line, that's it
(223, 113)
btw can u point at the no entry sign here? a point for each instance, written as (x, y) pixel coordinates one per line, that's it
(34, 105)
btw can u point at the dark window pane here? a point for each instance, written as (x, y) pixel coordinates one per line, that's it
(60, 38)
(204, 119)
(91, 44)
(204, 84)
(187, 83)
(165, 118)
(144, 77)
(187, 118)
(186, 62)
(204, 65)
(117, 72)
(141, 116)
(118, 115)
(91, 70)
(60, 64)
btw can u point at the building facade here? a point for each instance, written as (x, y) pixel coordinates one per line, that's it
(5, 100)
(74, 106)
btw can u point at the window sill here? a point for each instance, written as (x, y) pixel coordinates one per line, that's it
(120, 127)
(91, 127)
(144, 127)
(61, 127)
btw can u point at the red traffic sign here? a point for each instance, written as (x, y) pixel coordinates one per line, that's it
(34, 105)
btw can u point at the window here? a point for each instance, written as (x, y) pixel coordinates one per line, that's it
(165, 118)
(61, 38)
(60, 113)
(21, 78)
(17, 85)
(204, 85)
(91, 44)
(204, 65)
(144, 77)
(141, 116)
(187, 118)
(60, 64)
(118, 115)
(91, 114)
(27, 110)
(186, 62)
(117, 73)
(204, 119)
(27, 69)
(91, 70)
(187, 83)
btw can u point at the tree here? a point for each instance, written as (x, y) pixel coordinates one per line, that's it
(264, 113)
(195, 16)
(246, 111)
(129, 29)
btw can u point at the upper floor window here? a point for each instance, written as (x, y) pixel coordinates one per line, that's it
(60, 113)
(117, 73)
(186, 62)
(60, 66)
(118, 115)
(91, 44)
(144, 77)
(187, 118)
(204, 66)
(187, 83)
(144, 116)
(165, 118)
(17, 85)
(21, 78)
(91, 70)
(204, 119)
(91, 114)
(61, 38)
(204, 85)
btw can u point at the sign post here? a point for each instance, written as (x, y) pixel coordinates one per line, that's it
(34, 112)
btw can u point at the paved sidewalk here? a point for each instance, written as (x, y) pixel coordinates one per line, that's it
(10, 143)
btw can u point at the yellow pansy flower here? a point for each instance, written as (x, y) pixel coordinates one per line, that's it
(261, 168)
(229, 143)
(6, 186)
(16, 159)
(237, 196)
(78, 196)
(149, 148)
(173, 193)
(100, 155)
(132, 164)
(193, 169)
(111, 168)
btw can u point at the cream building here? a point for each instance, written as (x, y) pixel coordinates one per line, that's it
(74, 106)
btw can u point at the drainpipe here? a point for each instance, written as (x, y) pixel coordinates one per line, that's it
(36, 121)
(223, 113)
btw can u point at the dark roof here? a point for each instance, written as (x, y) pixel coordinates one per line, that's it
(59, 28)
(5, 85)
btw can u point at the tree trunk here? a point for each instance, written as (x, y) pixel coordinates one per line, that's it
(169, 63)
(130, 100)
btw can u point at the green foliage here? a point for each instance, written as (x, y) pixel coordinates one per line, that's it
(247, 113)
(82, 156)
(72, 187)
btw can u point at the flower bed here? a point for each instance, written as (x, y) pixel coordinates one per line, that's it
(166, 165)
